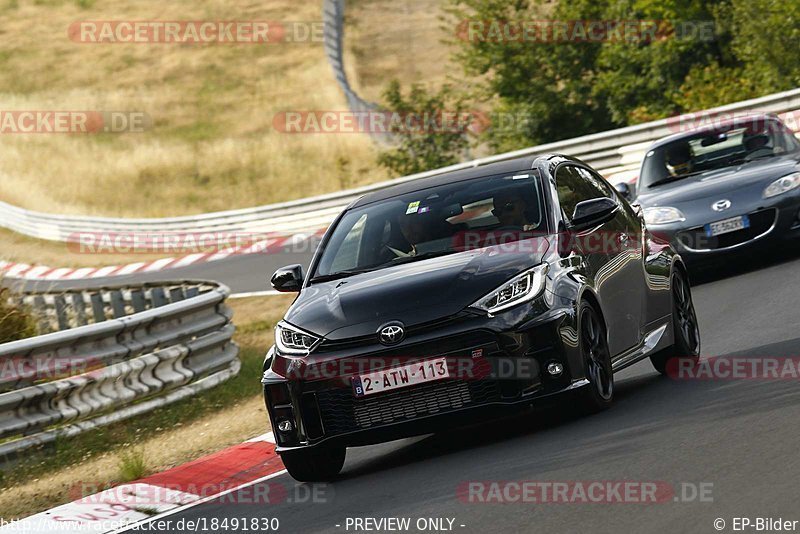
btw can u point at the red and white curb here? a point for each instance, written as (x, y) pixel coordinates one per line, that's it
(209, 478)
(25, 271)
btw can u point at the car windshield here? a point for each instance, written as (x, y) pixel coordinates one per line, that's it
(433, 222)
(714, 149)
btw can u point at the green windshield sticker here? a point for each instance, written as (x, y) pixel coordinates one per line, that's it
(412, 207)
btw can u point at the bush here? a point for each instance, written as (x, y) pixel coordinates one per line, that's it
(15, 323)
(132, 465)
(434, 140)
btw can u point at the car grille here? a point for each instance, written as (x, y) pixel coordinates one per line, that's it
(760, 223)
(342, 412)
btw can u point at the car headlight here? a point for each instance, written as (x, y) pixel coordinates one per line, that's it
(663, 215)
(292, 340)
(782, 185)
(521, 288)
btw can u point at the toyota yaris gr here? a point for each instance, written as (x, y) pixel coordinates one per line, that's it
(440, 300)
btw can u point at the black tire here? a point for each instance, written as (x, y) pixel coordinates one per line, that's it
(685, 328)
(593, 345)
(317, 464)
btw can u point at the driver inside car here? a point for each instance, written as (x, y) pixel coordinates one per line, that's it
(419, 228)
(511, 211)
(679, 160)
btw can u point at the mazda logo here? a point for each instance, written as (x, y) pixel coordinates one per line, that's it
(391, 333)
(721, 205)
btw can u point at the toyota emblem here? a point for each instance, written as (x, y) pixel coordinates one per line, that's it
(391, 333)
(721, 205)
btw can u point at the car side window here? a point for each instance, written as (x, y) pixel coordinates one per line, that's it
(575, 185)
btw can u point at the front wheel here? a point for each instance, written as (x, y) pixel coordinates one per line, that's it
(599, 393)
(685, 329)
(314, 464)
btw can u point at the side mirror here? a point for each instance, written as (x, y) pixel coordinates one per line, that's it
(287, 279)
(594, 212)
(624, 190)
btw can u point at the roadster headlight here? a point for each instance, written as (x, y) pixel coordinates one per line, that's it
(783, 185)
(663, 215)
(521, 288)
(292, 340)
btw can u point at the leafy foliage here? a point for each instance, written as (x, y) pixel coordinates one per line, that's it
(704, 53)
(428, 127)
(15, 323)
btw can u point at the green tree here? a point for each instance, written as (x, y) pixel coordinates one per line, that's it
(548, 83)
(704, 53)
(429, 128)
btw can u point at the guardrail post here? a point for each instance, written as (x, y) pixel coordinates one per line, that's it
(118, 304)
(158, 297)
(80, 309)
(61, 312)
(40, 309)
(137, 300)
(98, 307)
(176, 294)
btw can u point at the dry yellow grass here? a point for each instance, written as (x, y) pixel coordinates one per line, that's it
(165, 450)
(402, 39)
(18, 248)
(212, 145)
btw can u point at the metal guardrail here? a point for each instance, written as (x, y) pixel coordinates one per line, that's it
(110, 354)
(616, 154)
(333, 42)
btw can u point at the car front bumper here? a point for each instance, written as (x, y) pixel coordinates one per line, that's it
(773, 223)
(507, 370)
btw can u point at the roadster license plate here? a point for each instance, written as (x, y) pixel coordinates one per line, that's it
(728, 225)
(400, 377)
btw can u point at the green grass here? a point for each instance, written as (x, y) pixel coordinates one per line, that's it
(132, 465)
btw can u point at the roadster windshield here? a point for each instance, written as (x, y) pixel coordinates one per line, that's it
(433, 222)
(713, 149)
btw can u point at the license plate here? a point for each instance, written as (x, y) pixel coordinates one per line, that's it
(728, 225)
(400, 377)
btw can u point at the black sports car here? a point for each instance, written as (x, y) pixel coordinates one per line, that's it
(722, 189)
(432, 302)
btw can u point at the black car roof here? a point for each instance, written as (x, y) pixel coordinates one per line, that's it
(500, 167)
(714, 126)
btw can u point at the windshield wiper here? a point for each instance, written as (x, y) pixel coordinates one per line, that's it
(674, 178)
(423, 256)
(340, 274)
(762, 156)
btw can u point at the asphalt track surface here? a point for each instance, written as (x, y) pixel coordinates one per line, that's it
(242, 273)
(739, 438)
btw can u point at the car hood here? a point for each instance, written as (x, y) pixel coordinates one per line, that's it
(713, 185)
(414, 293)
